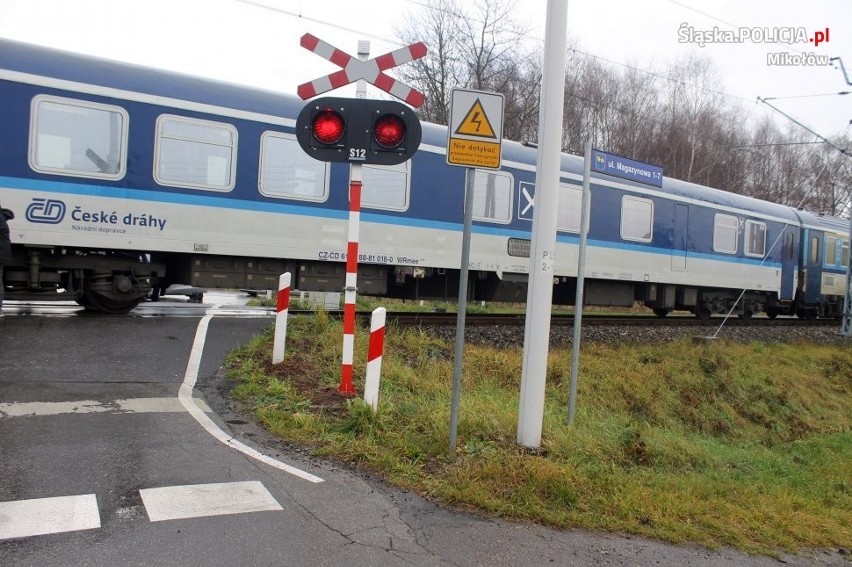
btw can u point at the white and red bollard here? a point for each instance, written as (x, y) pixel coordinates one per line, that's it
(281, 310)
(374, 356)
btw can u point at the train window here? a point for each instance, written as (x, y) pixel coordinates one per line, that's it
(725, 233)
(814, 257)
(78, 138)
(789, 242)
(193, 153)
(830, 250)
(755, 244)
(844, 253)
(637, 219)
(492, 196)
(569, 208)
(385, 186)
(286, 171)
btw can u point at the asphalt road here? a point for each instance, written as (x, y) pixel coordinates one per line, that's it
(109, 456)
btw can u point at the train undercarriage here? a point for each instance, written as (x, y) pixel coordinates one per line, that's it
(105, 281)
(117, 281)
(705, 302)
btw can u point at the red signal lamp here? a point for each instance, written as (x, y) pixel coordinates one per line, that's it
(328, 126)
(389, 131)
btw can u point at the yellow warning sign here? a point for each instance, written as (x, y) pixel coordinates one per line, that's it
(475, 129)
(476, 123)
(473, 153)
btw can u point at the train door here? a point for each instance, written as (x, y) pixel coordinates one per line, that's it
(812, 249)
(789, 263)
(679, 237)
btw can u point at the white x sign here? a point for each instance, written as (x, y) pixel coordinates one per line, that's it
(527, 194)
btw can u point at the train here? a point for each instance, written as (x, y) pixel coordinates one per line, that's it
(126, 180)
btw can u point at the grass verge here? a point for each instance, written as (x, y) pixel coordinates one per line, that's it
(747, 446)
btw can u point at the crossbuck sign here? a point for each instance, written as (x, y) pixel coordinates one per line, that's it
(354, 69)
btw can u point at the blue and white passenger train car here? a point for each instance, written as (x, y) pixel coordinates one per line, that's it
(125, 180)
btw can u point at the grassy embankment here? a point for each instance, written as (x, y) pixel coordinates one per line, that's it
(747, 446)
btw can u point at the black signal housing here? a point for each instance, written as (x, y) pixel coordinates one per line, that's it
(356, 130)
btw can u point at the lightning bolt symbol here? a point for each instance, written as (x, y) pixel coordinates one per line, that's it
(475, 119)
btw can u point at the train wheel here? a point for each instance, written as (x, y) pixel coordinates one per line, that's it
(746, 314)
(702, 313)
(96, 302)
(661, 311)
(772, 312)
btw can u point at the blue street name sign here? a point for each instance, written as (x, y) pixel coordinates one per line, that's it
(618, 166)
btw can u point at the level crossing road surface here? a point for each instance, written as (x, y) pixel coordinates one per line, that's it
(119, 447)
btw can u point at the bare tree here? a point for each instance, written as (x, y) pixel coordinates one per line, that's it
(436, 74)
(521, 88)
(474, 45)
(829, 177)
(693, 104)
(638, 122)
(490, 43)
(674, 118)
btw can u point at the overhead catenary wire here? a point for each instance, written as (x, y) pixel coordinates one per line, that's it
(841, 93)
(300, 16)
(822, 138)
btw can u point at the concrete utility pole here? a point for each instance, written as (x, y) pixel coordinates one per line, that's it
(543, 245)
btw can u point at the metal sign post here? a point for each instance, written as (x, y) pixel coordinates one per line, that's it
(581, 278)
(469, 177)
(475, 136)
(846, 327)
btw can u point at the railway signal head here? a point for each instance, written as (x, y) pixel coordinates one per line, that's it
(382, 132)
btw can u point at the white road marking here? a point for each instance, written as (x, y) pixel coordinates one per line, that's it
(39, 516)
(197, 500)
(130, 405)
(155, 405)
(189, 403)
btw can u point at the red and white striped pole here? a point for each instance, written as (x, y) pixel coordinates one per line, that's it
(374, 357)
(349, 294)
(350, 289)
(282, 308)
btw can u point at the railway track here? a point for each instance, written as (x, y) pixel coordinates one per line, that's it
(507, 330)
(409, 318)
